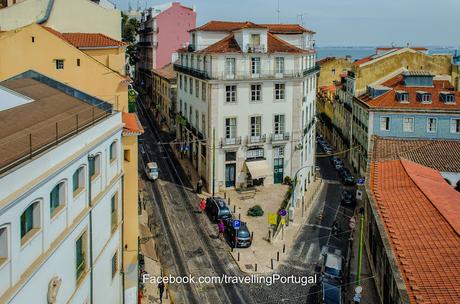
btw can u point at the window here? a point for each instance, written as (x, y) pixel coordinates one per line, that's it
(255, 125)
(185, 110)
(185, 83)
(431, 125)
(279, 124)
(59, 64)
(278, 152)
(114, 264)
(3, 245)
(78, 180)
(230, 156)
(191, 85)
(448, 97)
(192, 61)
(127, 155)
(254, 153)
(230, 93)
(255, 39)
(197, 89)
(384, 123)
(424, 97)
(255, 92)
(230, 127)
(279, 65)
(80, 256)
(57, 197)
(230, 67)
(94, 166)
(180, 82)
(455, 125)
(203, 91)
(78, 61)
(30, 219)
(197, 119)
(279, 91)
(114, 211)
(33, 39)
(408, 124)
(113, 151)
(255, 65)
(190, 113)
(203, 124)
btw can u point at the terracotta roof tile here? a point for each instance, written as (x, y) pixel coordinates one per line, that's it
(226, 26)
(87, 40)
(166, 71)
(226, 45)
(277, 45)
(442, 155)
(388, 99)
(132, 125)
(422, 218)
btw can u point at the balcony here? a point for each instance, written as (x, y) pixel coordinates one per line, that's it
(307, 128)
(191, 71)
(258, 139)
(310, 71)
(235, 141)
(279, 137)
(255, 48)
(259, 76)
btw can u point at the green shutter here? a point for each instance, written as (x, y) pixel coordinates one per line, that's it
(76, 180)
(54, 198)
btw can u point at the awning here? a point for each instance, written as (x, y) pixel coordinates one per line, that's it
(259, 169)
(132, 125)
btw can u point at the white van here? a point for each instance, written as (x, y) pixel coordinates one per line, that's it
(151, 170)
(332, 266)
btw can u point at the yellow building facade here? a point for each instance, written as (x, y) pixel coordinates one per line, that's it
(34, 47)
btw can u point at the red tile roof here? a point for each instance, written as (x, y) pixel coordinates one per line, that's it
(166, 71)
(226, 45)
(328, 88)
(421, 215)
(87, 40)
(132, 125)
(277, 45)
(441, 155)
(226, 26)
(388, 99)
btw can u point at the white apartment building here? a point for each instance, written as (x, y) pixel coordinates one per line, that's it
(61, 194)
(253, 86)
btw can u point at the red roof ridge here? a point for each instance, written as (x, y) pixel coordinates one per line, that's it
(283, 44)
(81, 39)
(226, 45)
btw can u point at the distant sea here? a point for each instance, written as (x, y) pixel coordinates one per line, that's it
(361, 52)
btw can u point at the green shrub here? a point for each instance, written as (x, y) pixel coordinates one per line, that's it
(287, 180)
(255, 211)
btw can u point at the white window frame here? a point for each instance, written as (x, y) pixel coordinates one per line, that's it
(279, 65)
(279, 123)
(428, 126)
(385, 123)
(197, 88)
(230, 64)
(255, 126)
(4, 244)
(280, 91)
(411, 129)
(455, 125)
(255, 65)
(256, 92)
(230, 127)
(59, 64)
(231, 91)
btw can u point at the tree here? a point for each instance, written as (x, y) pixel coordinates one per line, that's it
(129, 30)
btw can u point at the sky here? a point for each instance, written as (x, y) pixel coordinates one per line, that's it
(341, 22)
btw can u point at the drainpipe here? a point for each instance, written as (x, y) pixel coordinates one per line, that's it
(90, 158)
(45, 17)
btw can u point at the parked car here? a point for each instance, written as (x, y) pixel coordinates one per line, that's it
(332, 263)
(151, 170)
(349, 180)
(242, 236)
(330, 293)
(217, 209)
(348, 198)
(343, 172)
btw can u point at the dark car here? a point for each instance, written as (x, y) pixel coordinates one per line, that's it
(217, 209)
(330, 293)
(348, 198)
(349, 180)
(242, 236)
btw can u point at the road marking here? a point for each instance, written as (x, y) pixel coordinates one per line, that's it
(309, 256)
(301, 249)
(318, 226)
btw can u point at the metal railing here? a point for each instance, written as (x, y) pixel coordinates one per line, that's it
(258, 139)
(314, 69)
(191, 71)
(230, 141)
(255, 48)
(276, 137)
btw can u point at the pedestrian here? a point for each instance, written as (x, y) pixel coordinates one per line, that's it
(202, 204)
(221, 228)
(335, 227)
(199, 186)
(161, 289)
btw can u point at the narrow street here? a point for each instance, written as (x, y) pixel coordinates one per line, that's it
(187, 243)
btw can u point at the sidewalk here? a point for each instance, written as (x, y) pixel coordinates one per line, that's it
(262, 252)
(152, 262)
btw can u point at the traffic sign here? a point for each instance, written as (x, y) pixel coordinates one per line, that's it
(272, 218)
(360, 181)
(236, 224)
(283, 212)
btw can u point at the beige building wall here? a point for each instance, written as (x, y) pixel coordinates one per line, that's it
(114, 58)
(331, 69)
(405, 58)
(70, 16)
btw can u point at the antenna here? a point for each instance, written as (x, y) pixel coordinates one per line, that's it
(278, 11)
(300, 18)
